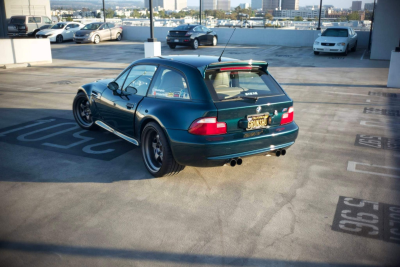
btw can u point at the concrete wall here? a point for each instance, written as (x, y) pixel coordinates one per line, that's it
(27, 7)
(386, 29)
(25, 51)
(244, 36)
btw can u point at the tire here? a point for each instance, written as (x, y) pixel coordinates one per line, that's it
(156, 152)
(172, 46)
(118, 37)
(215, 41)
(316, 53)
(354, 48)
(195, 44)
(59, 39)
(96, 39)
(82, 112)
(347, 51)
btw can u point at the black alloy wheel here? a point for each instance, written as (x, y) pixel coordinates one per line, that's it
(59, 38)
(157, 154)
(82, 112)
(119, 37)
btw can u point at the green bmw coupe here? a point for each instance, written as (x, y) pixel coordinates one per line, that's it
(199, 111)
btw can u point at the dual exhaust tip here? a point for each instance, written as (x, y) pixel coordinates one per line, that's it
(239, 161)
(280, 152)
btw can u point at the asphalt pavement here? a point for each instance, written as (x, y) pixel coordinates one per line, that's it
(74, 198)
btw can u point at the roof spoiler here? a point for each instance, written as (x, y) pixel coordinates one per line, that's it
(217, 65)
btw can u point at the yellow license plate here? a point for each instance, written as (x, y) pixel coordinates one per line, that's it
(257, 121)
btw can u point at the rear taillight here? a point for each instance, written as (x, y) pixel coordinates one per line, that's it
(188, 33)
(288, 116)
(207, 126)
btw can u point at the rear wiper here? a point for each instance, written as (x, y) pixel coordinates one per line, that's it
(242, 97)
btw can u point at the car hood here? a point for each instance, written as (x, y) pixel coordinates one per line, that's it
(328, 39)
(105, 81)
(50, 31)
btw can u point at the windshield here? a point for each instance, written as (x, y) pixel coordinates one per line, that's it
(241, 84)
(92, 26)
(58, 26)
(183, 28)
(335, 33)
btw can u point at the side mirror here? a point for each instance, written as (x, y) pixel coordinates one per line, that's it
(113, 86)
(319, 34)
(209, 31)
(67, 28)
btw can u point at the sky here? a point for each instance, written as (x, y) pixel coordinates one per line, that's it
(336, 3)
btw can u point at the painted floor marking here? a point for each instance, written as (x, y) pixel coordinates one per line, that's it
(379, 124)
(362, 57)
(340, 93)
(351, 166)
(368, 100)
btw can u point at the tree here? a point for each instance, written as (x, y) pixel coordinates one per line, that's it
(268, 16)
(353, 16)
(298, 18)
(135, 13)
(68, 19)
(343, 18)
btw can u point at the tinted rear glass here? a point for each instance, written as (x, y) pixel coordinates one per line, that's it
(336, 33)
(183, 28)
(224, 85)
(18, 20)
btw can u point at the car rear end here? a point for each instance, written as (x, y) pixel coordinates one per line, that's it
(17, 26)
(254, 117)
(180, 35)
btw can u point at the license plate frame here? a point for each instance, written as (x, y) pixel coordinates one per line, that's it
(257, 117)
(176, 40)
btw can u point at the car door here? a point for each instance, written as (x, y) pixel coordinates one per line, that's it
(200, 35)
(118, 107)
(113, 30)
(67, 32)
(104, 32)
(209, 35)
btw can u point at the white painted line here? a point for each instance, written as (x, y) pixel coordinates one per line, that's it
(351, 166)
(368, 100)
(380, 124)
(363, 54)
(340, 93)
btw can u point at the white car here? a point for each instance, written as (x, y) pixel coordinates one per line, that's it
(336, 40)
(60, 31)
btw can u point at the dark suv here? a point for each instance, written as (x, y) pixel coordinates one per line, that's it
(26, 26)
(191, 35)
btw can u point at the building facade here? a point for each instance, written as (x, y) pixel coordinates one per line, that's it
(256, 4)
(209, 5)
(244, 5)
(356, 5)
(224, 5)
(270, 5)
(290, 4)
(369, 6)
(167, 4)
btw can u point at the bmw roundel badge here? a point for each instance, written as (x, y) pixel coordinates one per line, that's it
(258, 109)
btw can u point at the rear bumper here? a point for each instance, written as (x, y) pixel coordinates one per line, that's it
(209, 151)
(181, 41)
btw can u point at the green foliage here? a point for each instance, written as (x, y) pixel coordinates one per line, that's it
(298, 18)
(268, 16)
(135, 13)
(353, 16)
(68, 19)
(109, 13)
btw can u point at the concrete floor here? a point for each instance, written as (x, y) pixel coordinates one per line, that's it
(61, 207)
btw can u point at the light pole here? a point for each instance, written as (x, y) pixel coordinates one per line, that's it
(319, 18)
(151, 39)
(200, 11)
(104, 12)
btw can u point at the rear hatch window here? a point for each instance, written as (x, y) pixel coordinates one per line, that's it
(17, 20)
(243, 93)
(240, 83)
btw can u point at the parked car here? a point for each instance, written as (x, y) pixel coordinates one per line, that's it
(191, 111)
(96, 32)
(191, 35)
(60, 32)
(26, 26)
(336, 40)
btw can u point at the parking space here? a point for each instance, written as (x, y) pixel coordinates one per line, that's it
(69, 197)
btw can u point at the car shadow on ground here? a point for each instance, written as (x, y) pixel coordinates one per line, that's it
(50, 147)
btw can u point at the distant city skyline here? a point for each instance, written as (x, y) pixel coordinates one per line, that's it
(336, 3)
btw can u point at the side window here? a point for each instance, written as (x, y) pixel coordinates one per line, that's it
(139, 79)
(197, 29)
(46, 20)
(169, 84)
(110, 25)
(34, 20)
(205, 29)
(120, 80)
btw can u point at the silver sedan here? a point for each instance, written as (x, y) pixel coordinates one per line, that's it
(97, 31)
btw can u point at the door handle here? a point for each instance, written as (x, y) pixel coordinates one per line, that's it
(95, 94)
(130, 105)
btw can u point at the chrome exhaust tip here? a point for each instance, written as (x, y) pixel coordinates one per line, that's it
(239, 161)
(233, 163)
(283, 152)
